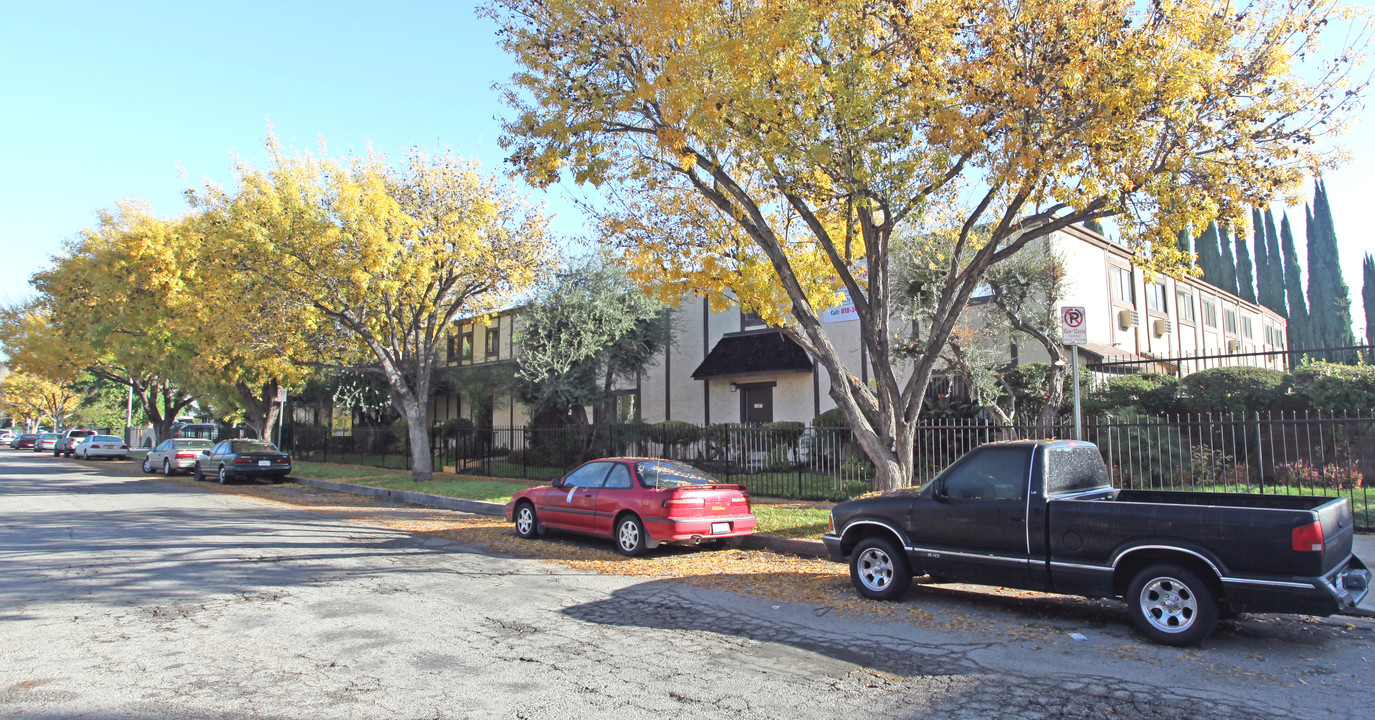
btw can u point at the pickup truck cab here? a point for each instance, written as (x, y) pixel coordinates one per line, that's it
(1041, 515)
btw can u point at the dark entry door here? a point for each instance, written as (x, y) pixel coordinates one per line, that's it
(756, 403)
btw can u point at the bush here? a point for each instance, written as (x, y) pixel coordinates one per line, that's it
(1209, 466)
(1333, 387)
(785, 434)
(1234, 389)
(671, 433)
(832, 418)
(1151, 392)
(1331, 477)
(857, 468)
(1029, 387)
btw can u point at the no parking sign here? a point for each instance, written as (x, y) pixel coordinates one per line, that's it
(1073, 329)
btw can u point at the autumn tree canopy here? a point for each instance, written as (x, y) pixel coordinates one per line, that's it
(374, 262)
(765, 152)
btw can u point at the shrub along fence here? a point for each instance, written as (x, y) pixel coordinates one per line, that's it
(1267, 452)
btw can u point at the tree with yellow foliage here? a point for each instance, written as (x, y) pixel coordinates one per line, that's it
(764, 153)
(376, 261)
(30, 398)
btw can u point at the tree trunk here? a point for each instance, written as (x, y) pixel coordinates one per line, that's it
(422, 464)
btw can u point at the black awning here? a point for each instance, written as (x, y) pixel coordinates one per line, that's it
(754, 353)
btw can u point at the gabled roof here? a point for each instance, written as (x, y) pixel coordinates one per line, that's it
(753, 353)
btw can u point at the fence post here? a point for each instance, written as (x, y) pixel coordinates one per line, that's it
(1260, 456)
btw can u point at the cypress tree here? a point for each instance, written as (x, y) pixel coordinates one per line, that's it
(1209, 257)
(1329, 298)
(1246, 278)
(1258, 253)
(1368, 299)
(1293, 288)
(1229, 265)
(1095, 226)
(1270, 284)
(1184, 242)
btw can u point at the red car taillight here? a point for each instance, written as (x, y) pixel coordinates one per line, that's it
(1308, 538)
(285, 459)
(241, 461)
(684, 502)
(186, 456)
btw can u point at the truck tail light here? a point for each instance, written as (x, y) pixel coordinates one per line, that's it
(1308, 538)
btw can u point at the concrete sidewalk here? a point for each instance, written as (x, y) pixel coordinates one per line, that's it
(1364, 548)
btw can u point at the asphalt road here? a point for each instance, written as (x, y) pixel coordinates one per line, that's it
(133, 598)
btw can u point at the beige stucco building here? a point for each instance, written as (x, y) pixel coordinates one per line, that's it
(725, 366)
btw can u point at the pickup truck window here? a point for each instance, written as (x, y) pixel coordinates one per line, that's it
(990, 474)
(1074, 469)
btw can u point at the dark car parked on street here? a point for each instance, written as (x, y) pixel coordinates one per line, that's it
(231, 459)
(25, 441)
(1041, 515)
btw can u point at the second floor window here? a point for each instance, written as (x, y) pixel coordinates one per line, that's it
(1184, 302)
(1210, 314)
(1246, 327)
(1122, 289)
(1155, 297)
(465, 349)
(1229, 320)
(493, 342)
(749, 320)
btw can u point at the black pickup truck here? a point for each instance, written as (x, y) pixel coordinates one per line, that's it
(1041, 515)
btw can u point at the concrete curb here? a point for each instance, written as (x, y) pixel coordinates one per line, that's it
(772, 543)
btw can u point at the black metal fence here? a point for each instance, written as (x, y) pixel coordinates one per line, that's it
(1192, 362)
(1274, 452)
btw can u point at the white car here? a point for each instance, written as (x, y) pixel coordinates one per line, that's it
(94, 446)
(175, 455)
(6, 436)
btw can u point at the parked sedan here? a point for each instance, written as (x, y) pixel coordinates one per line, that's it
(108, 446)
(175, 455)
(25, 441)
(69, 441)
(46, 442)
(639, 502)
(242, 458)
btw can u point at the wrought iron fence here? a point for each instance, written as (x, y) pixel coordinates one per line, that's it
(1188, 363)
(1273, 452)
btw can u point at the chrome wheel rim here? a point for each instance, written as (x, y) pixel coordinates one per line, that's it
(1169, 605)
(166, 468)
(224, 477)
(629, 536)
(875, 569)
(146, 467)
(525, 521)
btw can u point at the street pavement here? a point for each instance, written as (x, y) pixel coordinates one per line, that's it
(129, 597)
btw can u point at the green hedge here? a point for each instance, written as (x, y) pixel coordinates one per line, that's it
(1234, 389)
(1151, 392)
(1334, 387)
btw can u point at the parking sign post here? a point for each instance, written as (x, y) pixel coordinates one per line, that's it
(1074, 332)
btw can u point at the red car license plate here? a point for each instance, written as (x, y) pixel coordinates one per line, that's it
(719, 528)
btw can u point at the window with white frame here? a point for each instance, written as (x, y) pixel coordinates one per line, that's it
(1184, 303)
(1210, 314)
(1122, 289)
(1246, 327)
(1155, 296)
(1229, 321)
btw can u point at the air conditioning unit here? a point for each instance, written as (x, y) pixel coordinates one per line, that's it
(1162, 327)
(1127, 319)
(1233, 346)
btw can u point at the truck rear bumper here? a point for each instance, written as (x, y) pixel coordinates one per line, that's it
(1340, 590)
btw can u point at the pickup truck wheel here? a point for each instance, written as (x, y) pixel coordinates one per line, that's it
(878, 570)
(1172, 605)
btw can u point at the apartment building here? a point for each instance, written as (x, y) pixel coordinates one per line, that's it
(726, 366)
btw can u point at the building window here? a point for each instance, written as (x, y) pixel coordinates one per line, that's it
(1246, 327)
(1184, 303)
(1229, 321)
(750, 321)
(1155, 297)
(1122, 289)
(493, 342)
(449, 355)
(465, 352)
(1209, 314)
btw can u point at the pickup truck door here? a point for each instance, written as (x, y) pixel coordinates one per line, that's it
(971, 526)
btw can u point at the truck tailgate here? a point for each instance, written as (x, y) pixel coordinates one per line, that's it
(1338, 531)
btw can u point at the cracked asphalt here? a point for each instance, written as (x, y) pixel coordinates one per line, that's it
(134, 598)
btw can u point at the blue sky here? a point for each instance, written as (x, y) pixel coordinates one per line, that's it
(105, 101)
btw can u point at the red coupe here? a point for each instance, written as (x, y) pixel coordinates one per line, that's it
(639, 502)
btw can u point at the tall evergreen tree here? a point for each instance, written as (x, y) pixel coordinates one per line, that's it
(1246, 277)
(1368, 298)
(1258, 254)
(1095, 226)
(1184, 241)
(1270, 283)
(1293, 288)
(1209, 256)
(1329, 298)
(1229, 264)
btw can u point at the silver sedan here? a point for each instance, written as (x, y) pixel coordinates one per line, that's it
(106, 446)
(175, 455)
